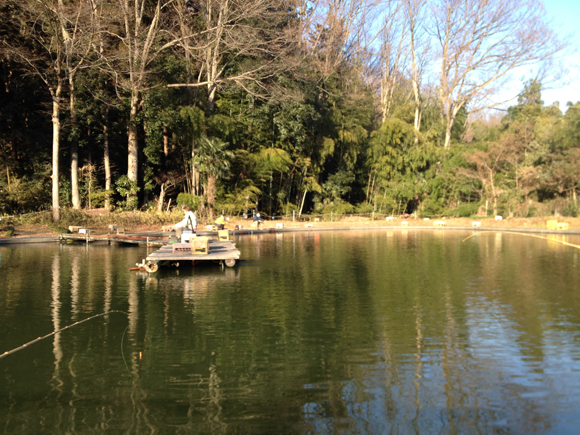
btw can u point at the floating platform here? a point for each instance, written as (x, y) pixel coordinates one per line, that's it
(220, 251)
(150, 239)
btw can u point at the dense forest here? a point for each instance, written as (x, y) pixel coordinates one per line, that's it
(343, 106)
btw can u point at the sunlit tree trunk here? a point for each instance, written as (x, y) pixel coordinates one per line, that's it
(419, 55)
(55, 94)
(161, 198)
(74, 149)
(106, 157)
(133, 146)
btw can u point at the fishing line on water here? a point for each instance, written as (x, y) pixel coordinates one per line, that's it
(122, 350)
(531, 235)
(26, 345)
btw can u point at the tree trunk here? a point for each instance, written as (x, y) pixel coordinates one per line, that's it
(448, 127)
(7, 75)
(161, 197)
(413, 11)
(210, 194)
(449, 121)
(90, 183)
(165, 142)
(133, 146)
(369, 185)
(74, 149)
(55, 93)
(211, 99)
(106, 158)
(302, 203)
(493, 196)
(417, 120)
(195, 190)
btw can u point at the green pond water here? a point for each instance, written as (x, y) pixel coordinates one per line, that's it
(366, 332)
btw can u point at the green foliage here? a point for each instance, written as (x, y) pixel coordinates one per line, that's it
(530, 104)
(128, 190)
(570, 210)
(465, 210)
(386, 204)
(241, 199)
(337, 185)
(212, 157)
(99, 197)
(189, 125)
(302, 139)
(364, 208)
(270, 160)
(431, 207)
(531, 212)
(64, 192)
(338, 208)
(59, 229)
(192, 201)
(24, 194)
(288, 208)
(397, 156)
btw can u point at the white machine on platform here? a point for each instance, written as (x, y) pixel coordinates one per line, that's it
(186, 235)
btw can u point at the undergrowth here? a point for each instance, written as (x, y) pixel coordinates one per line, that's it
(88, 219)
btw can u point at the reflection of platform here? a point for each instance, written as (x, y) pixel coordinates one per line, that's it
(218, 250)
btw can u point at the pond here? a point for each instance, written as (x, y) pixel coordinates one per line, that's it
(364, 332)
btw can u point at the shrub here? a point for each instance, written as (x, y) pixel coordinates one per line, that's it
(24, 195)
(338, 208)
(99, 197)
(288, 208)
(192, 201)
(569, 211)
(430, 207)
(531, 212)
(128, 190)
(465, 210)
(364, 207)
(59, 229)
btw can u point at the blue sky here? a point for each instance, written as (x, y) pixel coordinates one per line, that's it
(565, 17)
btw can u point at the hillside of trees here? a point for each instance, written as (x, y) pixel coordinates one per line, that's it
(282, 106)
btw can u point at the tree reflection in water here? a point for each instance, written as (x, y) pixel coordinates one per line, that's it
(367, 332)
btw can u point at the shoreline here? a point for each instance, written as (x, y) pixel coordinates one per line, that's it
(32, 238)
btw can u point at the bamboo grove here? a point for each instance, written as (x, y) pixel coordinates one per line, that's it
(344, 106)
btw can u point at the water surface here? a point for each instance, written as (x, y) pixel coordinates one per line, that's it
(339, 332)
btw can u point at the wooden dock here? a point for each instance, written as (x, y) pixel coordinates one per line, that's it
(220, 251)
(149, 239)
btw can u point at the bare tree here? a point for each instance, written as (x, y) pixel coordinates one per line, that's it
(480, 43)
(74, 21)
(135, 36)
(57, 41)
(393, 54)
(336, 31)
(42, 54)
(420, 47)
(238, 42)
